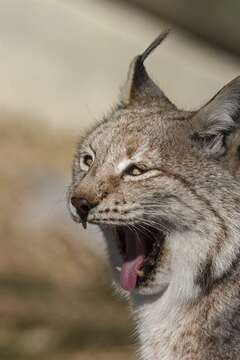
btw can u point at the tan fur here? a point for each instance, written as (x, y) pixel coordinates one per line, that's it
(188, 188)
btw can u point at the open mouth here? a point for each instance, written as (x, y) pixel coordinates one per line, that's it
(140, 250)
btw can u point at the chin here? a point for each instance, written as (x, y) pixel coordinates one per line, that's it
(138, 258)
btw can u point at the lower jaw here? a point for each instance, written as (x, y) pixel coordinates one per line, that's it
(146, 289)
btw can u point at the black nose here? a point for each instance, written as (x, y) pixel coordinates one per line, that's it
(82, 206)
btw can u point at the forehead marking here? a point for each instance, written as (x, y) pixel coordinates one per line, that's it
(140, 151)
(123, 164)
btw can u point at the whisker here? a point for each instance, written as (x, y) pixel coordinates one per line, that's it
(154, 224)
(146, 232)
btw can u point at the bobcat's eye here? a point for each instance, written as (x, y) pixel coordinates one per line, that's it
(134, 170)
(86, 162)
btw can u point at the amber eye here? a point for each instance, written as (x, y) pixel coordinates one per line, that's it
(87, 160)
(134, 170)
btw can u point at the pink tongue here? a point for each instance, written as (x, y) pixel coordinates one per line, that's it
(132, 263)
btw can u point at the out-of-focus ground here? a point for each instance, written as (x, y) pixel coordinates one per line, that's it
(62, 63)
(55, 295)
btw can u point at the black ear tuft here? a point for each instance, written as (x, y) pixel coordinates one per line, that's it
(139, 89)
(159, 39)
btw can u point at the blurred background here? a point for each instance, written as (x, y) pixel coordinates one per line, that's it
(62, 64)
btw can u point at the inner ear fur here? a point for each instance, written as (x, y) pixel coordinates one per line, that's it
(219, 118)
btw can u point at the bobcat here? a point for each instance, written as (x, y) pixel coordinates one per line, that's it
(162, 184)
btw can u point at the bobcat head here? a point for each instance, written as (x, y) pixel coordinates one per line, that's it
(160, 183)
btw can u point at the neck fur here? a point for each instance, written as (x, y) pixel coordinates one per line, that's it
(167, 321)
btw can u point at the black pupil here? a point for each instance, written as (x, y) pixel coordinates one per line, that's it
(88, 160)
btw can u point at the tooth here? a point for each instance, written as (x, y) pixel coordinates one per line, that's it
(140, 273)
(118, 268)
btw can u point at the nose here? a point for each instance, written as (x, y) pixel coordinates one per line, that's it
(82, 206)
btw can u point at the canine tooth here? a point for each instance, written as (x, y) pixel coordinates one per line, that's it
(140, 273)
(118, 268)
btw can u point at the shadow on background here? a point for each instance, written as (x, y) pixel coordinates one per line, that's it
(215, 21)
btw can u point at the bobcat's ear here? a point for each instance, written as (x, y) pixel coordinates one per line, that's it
(139, 89)
(218, 118)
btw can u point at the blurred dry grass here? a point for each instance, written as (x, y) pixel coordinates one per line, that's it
(55, 296)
